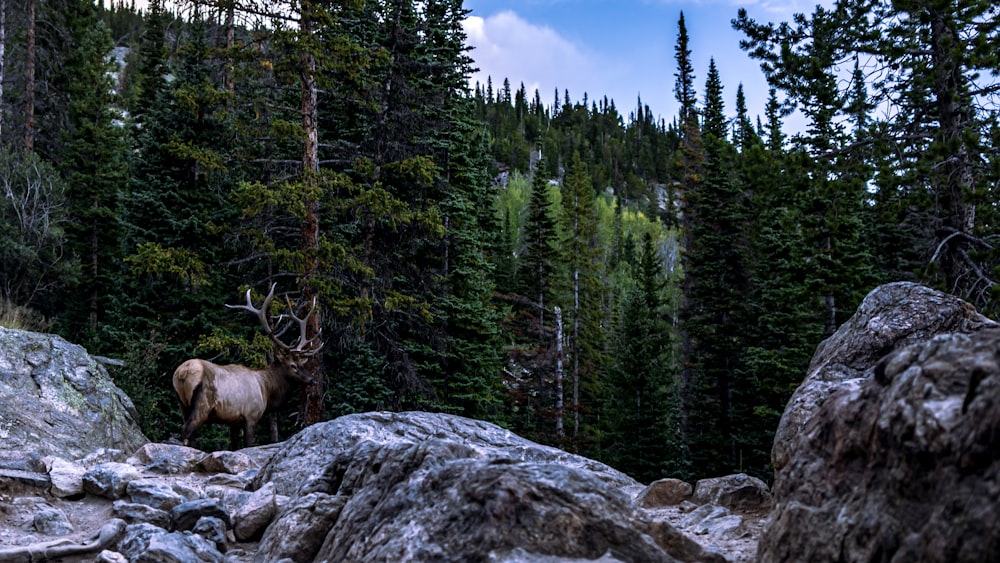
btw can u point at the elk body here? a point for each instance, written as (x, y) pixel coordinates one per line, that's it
(238, 396)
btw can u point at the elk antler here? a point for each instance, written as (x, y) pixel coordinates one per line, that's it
(305, 346)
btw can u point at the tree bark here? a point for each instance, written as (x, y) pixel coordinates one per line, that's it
(576, 352)
(559, 373)
(3, 58)
(956, 176)
(29, 79)
(313, 400)
(230, 44)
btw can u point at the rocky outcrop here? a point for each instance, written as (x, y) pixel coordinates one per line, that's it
(307, 456)
(891, 317)
(890, 451)
(370, 487)
(420, 486)
(55, 399)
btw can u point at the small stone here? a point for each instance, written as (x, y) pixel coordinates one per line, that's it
(664, 492)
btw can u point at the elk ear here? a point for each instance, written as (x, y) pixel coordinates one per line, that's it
(281, 357)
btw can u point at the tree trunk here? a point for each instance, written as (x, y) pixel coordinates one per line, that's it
(230, 44)
(3, 58)
(313, 394)
(313, 400)
(576, 352)
(29, 80)
(559, 373)
(94, 270)
(956, 215)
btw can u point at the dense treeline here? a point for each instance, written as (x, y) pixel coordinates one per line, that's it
(644, 291)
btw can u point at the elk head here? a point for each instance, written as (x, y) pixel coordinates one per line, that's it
(294, 357)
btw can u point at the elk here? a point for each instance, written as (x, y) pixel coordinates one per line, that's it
(239, 396)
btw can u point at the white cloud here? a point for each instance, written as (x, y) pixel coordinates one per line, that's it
(507, 46)
(784, 8)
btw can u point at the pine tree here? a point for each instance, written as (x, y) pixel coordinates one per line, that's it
(93, 149)
(642, 415)
(584, 312)
(684, 90)
(715, 285)
(34, 266)
(532, 323)
(783, 326)
(176, 205)
(925, 207)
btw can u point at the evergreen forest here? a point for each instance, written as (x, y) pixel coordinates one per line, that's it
(642, 290)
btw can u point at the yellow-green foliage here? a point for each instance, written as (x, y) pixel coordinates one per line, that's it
(175, 263)
(254, 353)
(209, 160)
(512, 201)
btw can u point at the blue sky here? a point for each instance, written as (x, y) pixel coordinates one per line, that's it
(620, 48)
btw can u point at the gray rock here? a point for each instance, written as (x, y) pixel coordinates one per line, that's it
(299, 532)
(518, 555)
(108, 556)
(441, 499)
(714, 521)
(20, 460)
(231, 499)
(240, 481)
(134, 513)
(227, 462)
(52, 522)
(109, 480)
(185, 490)
(66, 477)
(101, 455)
(303, 458)
(17, 480)
(664, 492)
(135, 540)
(57, 400)
(735, 492)
(153, 493)
(184, 516)
(891, 317)
(901, 464)
(212, 529)
(168, 459)
(254, 515)
(144, 543)
(178, 547)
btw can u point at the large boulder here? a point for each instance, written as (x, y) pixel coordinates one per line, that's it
(306, 456)
(55, 399)
(891, 317)
(422, 487)
(891, 451)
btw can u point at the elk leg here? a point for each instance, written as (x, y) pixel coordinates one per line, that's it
(273, 419)
(193, 423)
(234, 436)
(185, 415)
(248, 429)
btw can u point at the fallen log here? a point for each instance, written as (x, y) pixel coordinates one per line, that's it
(55, 549)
